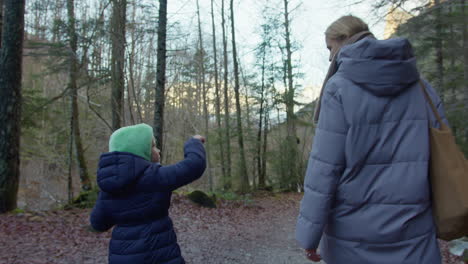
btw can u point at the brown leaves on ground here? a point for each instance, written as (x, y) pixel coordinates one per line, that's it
(260, 230)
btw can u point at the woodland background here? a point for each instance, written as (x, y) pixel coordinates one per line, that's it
(73, 72)
(90, 67)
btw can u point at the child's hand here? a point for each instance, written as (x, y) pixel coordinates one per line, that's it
(201, 138)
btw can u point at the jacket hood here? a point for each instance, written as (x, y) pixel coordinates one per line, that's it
(383, 67)
(119, 171)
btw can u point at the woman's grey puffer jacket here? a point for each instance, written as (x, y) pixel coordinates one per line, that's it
(366, 186)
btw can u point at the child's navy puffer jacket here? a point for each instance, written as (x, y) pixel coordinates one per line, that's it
(135, 197)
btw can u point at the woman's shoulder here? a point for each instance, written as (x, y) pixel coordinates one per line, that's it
(338, 83)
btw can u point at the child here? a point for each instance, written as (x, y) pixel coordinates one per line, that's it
(135, 195)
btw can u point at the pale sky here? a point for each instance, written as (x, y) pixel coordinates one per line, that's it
(309, 22)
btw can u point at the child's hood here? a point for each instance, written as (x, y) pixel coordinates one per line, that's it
(119, 171)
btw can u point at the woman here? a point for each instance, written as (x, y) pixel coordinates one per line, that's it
(367, 193)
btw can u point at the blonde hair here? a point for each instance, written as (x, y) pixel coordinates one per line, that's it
(345, 27)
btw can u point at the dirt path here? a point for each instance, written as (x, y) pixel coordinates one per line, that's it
(260, 231)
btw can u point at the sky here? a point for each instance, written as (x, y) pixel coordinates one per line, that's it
(310, 18)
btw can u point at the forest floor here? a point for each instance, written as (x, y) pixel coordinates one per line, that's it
(256, 230)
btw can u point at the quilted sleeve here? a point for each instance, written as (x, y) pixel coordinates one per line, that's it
(100, 221)
(325, 166)
(171, 177)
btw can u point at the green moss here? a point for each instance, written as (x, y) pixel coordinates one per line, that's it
(85, 199)
(18, 211)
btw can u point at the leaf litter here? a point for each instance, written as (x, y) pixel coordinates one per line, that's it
(260, 230)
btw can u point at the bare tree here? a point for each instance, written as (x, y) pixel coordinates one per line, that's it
(289, 100)
(262, 176)
(204, 93)
(131, 66)
(118, 21)
(11, 55)
(227, 140)
(160, 75)
(262, 50)
(73, 89)
(244, 184)
(261, 179)
(217, 94)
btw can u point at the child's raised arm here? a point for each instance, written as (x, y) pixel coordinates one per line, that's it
(171, 177)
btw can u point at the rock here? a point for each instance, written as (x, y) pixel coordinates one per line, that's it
(202, 199)
(459, 247)
(35, 218)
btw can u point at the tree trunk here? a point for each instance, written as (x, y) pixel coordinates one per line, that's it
(250, 147)
(204, 91)
(228, 180)
(439, 50)
(72, 87)
(217, 94)
(285, 161)
(451, 55)
(465, 55)
(246, 99)
(70, 161)
(131, 65)
(118, 59)
(11, 55)
(465, 48)
(244, 183)
(160, 75)
(1, 21)
(290, 118)
(261, 178)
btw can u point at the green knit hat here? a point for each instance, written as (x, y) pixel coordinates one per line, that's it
(135, 139)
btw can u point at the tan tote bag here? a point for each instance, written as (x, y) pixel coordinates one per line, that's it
(448, 173)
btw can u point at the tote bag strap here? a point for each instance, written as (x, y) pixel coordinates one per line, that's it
(428, 99)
